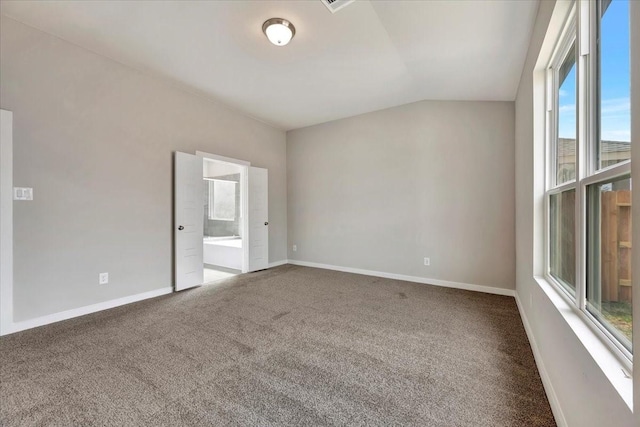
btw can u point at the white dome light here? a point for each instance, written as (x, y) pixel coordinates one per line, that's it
(279, 31)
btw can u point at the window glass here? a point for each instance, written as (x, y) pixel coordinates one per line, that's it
(614, 112)
(566, 113)
(562, 247)
(609, 257)
(222, 200)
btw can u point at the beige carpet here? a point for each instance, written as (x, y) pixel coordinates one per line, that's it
(286, 346)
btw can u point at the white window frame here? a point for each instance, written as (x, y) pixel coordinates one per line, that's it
(565, 41)
(581, 25)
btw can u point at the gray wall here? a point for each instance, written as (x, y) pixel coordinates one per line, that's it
(584, 393)
(383, 190)
(95, 140)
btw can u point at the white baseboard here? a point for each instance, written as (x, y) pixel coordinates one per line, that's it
(76, 312)
(546, 381)
(278, 263)
(415, 279)
(81, 311)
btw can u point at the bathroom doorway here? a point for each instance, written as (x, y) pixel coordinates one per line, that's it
(224, 226)
(220, 219)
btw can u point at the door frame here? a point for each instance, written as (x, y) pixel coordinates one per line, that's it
(244, 197)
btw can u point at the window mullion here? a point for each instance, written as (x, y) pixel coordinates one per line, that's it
(550, 82)
(591, 90)
(609, 173)
(563, 187)
(582, 146)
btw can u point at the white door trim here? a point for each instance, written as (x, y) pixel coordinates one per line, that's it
(6, 222)
(222, 158)
(244, 194)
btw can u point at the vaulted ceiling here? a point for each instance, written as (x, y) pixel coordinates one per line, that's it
(368, 56)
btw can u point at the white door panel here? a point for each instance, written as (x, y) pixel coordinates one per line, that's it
(6, 222)
(258, 219)
(189, 221)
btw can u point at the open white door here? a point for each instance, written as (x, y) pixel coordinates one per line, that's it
(258, 219)
(189, 220)
(6, 222)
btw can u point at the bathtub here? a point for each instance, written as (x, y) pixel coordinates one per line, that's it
(223, 251)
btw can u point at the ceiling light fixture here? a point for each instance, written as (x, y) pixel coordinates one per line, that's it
(279, 31)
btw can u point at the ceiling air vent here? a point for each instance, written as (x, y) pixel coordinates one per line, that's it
(336, 5)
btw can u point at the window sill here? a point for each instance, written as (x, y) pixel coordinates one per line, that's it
(612, 367)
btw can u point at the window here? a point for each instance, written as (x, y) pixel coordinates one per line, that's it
(614, 110)
(588, 190)
(609, 253)
(222, 200)
(562, 247)
(566, 117)
(563, 142)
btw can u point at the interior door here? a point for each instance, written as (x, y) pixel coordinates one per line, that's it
(258, 219)
(6, 222)
(189, 221)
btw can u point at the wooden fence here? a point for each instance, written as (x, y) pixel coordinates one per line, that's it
(615, 267)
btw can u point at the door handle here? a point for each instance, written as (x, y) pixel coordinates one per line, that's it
(180, 228)
(266, 223)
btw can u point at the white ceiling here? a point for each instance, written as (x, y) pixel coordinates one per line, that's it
(368, 56)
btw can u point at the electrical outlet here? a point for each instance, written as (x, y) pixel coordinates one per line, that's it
(427, 261)
(295, 248)
(103, 278)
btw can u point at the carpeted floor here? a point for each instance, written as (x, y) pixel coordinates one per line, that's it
(287, 346)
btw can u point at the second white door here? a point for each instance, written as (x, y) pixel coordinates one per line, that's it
(189, 221)
(258, 219)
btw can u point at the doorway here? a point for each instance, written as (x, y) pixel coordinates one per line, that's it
(221, 218)
(224, 220)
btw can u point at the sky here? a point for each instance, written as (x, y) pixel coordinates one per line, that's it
(615, 80)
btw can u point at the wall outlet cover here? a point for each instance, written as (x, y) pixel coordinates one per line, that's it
(427, 261)
(103, 278)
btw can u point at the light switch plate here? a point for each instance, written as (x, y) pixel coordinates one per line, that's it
(22, 193)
